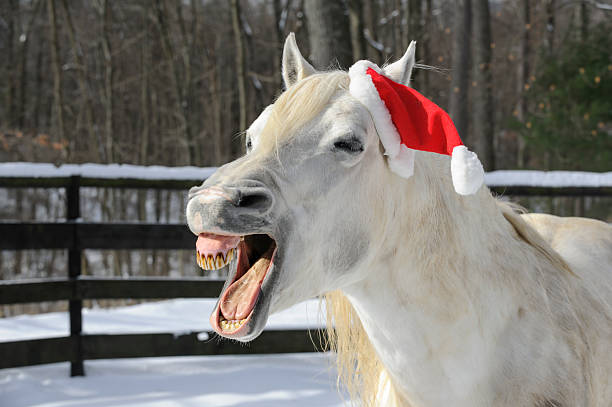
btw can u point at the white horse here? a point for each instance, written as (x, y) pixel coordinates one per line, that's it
(433, 298)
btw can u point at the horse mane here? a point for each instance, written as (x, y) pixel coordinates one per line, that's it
(311, 94)
(528, 234)
(360, 371)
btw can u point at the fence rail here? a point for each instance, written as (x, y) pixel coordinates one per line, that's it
(75, 236)
(88, 347)
(89, 288)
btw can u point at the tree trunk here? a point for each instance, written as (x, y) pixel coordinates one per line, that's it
(358, 45)
(369, 11)
(280, 34)
(57, 71)
(584, 20)
(13, 26)
(483, 122)
(328, 33)
(415, 27)
(523, 81)
(550, 25)
(240, 68)
(38, 88)
(221, 152)
(425, 48)
(146, 63)
(414, 31)
(86, 102)
(188, 86)
(23, 66)
(168, 49)
(108, 81)
(458, 101)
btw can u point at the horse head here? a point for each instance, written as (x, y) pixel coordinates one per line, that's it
(302, 212)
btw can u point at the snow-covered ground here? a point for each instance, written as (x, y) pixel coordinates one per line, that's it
(258, 381)
(238, 381)
(176, 316)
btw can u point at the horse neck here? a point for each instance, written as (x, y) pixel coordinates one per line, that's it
(424, 294)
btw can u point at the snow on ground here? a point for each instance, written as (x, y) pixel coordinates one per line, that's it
(204, 381)
(494, 178)
(242, 381)
(176, 316)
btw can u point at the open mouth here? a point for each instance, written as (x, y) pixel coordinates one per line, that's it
(248, 260)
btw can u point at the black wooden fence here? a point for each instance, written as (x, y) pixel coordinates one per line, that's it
(75, 236)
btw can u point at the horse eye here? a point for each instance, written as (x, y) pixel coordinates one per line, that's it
(351, 145)
(249, 144)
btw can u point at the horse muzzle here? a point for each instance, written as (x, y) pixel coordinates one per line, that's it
(238, 209)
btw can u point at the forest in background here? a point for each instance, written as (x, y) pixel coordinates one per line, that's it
(174, 82)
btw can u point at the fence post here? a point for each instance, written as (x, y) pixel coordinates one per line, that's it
(73, 213)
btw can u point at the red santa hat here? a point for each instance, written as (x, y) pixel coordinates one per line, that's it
(407, 121)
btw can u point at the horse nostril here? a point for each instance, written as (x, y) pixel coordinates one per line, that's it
(256, 200)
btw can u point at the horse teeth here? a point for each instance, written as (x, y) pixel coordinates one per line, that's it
(231, 324)
(215, 261)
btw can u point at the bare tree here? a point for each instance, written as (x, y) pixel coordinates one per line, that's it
(24, 39)
(550, 25)
(328, 33)
(108, 79)
(12, 23)
(58, 100)
(187, 81)
(482, 106)
(358, 43)
(370, 32)
(175, 77)
(458, 100)
(585, 17)
(240, 65)
(106, 85)
(425, 48)
(415, 28)
(146, 62)
(523, 79)
(81, 66)
(280, 20)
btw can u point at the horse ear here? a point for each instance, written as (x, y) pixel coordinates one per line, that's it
(295, 66)
(401, 70)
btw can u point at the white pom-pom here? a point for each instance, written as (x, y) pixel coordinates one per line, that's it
(466, 170)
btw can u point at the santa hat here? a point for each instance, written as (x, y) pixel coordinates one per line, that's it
(407, 121)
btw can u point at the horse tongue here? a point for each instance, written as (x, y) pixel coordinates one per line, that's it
(240, 297)
(211, 243)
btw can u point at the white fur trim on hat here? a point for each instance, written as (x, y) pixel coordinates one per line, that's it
(403, 163)
(466, 170)
(401, 158)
